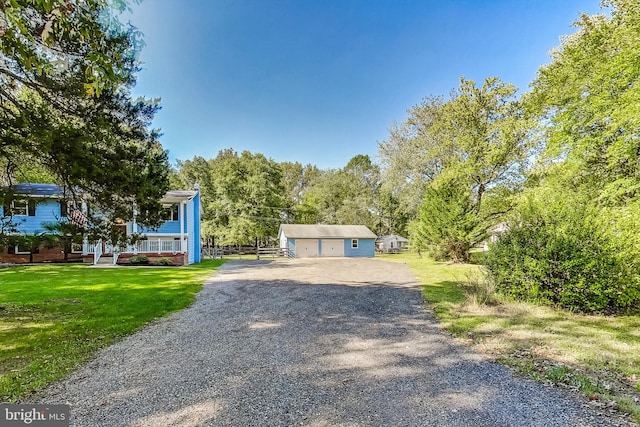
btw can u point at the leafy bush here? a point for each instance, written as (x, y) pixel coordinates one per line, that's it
(164, 261)
(138, 260)
(562, 257)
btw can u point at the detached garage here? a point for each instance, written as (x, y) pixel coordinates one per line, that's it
(307, 240)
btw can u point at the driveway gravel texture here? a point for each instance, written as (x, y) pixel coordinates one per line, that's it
(313, 342)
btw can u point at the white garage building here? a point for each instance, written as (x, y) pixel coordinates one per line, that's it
(315, 240)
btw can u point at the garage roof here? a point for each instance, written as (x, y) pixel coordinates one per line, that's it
(319, 231)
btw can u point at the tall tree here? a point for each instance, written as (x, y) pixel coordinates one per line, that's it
(407, 158)
(484, 136)
(344, 196)
(66, 71)
(296, 180)
(246, 200)
(477, 139)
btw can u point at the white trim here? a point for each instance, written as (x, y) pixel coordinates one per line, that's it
(182, 207)
(134, 224)
(357, 243)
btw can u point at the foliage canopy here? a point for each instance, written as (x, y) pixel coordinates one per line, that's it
(66, 71)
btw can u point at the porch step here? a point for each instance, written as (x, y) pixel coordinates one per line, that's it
(105, 260)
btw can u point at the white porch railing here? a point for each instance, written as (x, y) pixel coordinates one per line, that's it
(88, 248)
(157, 246)
(143, 246)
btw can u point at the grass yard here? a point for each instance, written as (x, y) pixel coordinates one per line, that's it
(596, 355)
(54, 317)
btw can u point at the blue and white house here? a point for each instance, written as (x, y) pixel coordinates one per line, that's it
(317, 240)
(178, 238)
(178, 235)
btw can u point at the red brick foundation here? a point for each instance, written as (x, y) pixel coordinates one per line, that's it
(45, 255)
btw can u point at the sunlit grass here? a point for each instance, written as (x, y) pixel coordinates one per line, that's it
(597, 355)
(54, 317)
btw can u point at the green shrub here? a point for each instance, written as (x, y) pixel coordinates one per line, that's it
(138, 260)
(164, 261)
(562, 258)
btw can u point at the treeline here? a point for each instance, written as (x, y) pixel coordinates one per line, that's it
(246, 196)
(558, 167)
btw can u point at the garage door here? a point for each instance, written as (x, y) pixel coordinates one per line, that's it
(306, 248)
(332, 247)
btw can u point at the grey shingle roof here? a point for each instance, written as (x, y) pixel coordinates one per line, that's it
(178, 195)
(42, 190)
(320, 231)
(54, 190)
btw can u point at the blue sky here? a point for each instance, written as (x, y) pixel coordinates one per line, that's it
(320, 81)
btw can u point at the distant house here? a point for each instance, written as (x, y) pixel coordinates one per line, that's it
(178, 238)
(494, 234)
(308, 241)
(391, 244)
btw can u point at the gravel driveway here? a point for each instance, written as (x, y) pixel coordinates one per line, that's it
(324, 342)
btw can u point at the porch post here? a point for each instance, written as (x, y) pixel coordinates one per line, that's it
(134, 224)
(182, 206)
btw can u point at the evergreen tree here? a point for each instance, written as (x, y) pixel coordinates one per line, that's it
(66, 71)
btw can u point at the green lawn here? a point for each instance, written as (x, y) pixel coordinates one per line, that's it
(597, 355)
(54, 317)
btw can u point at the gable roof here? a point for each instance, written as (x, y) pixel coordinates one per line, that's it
(54, 190)
(321, 231)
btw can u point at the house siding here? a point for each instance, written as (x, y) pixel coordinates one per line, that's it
(46, 211)
(167, 227)
(366, 248)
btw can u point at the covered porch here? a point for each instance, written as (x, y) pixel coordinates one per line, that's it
(102, 252)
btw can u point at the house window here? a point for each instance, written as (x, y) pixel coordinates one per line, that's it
(354, 243)
(171, 212)
(76, 248)
(23, 207)
(21, 248)
(19, 207)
